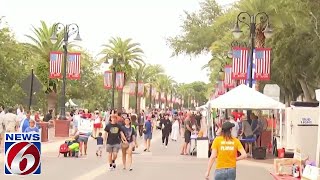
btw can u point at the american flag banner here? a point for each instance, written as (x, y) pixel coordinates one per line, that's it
(107, 80)
(228, 81)
(132, 88)
(262, 63)
(56, 59)
(221, 89)
(240, 63)
(174, 99)
(153, 92)
(216, 93)
(73, 66)
(163, 96)
(140, 88)
(119, 80)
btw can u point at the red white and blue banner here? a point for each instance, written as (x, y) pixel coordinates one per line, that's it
(163, 98)
(73, 66)
(228, 81)
(140, 88)
(154, 92)
(132, 88)
(262, 64)
(107, 83)
(56, 59)
(221, 89)
(119, 80)
(239, 63)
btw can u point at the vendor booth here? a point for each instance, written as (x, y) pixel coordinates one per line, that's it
(245, 98)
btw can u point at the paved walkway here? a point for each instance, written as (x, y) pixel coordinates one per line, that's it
(159, 164)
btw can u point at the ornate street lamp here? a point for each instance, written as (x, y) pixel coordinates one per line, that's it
(251, 22)
(67, 30)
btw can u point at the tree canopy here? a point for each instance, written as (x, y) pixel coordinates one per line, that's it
(295, 41)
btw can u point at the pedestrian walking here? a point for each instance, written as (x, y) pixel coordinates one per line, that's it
(175, 129)
(166, 127)
(128, 147)
(10, 121)
(187, 135)
(147, 130)
(141, 121)
(224, 150)
(99, 144)
(113, 135)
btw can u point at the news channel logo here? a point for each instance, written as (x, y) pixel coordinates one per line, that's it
(22, 154)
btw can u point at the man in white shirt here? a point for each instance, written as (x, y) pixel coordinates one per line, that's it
(10, 121)
(235, 129)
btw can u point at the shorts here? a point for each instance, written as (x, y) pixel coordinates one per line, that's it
(83, 139)
(187, 137)
(97, 125)
(227, 173)
(113, 148)
(148, 136)
(99, 147)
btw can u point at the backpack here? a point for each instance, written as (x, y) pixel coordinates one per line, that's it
(64, 149)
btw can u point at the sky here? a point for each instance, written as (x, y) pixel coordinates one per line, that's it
(148, 22)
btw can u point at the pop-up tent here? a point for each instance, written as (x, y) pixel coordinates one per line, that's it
(70, 103)
(244, 97)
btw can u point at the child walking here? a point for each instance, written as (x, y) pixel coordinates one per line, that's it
(99, 144)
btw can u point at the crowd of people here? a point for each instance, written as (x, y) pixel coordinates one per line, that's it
(16, 120)
(119, 130)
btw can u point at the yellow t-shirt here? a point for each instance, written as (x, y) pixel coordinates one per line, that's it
(226, 152)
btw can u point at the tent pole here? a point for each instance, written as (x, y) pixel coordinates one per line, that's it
(280, 111)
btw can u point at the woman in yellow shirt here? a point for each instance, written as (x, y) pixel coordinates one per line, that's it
(224, 149)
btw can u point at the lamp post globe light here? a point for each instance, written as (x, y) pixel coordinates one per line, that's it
(67, 30)
(115, 62)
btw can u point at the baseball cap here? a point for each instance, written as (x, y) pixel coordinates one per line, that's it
(227, 125)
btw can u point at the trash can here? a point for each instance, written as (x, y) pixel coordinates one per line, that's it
(44, 131)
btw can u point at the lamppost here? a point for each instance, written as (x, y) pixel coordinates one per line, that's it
(115, 60)
(68, 30)
(137, 89)
(150, 93)
(251, 23)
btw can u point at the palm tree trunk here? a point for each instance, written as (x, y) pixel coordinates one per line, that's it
(119, 100)
(305, 90)
(259, 43)
(52, 101)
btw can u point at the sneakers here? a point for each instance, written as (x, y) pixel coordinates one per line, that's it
(114, 165)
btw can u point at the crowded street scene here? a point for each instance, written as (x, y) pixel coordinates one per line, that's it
(153, 90)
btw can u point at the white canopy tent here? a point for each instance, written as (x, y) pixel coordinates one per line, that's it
(244, 97)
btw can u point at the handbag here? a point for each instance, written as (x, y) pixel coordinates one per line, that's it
(124, 145)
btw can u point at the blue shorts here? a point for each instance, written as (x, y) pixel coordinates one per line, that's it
(148, 136)
(83, 139)
(225, 174)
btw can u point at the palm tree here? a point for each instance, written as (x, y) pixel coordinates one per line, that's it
(42, 46)
(146, 74)
(126, 52)
(164, 83)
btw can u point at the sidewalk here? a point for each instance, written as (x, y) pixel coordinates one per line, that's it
(52, 145)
